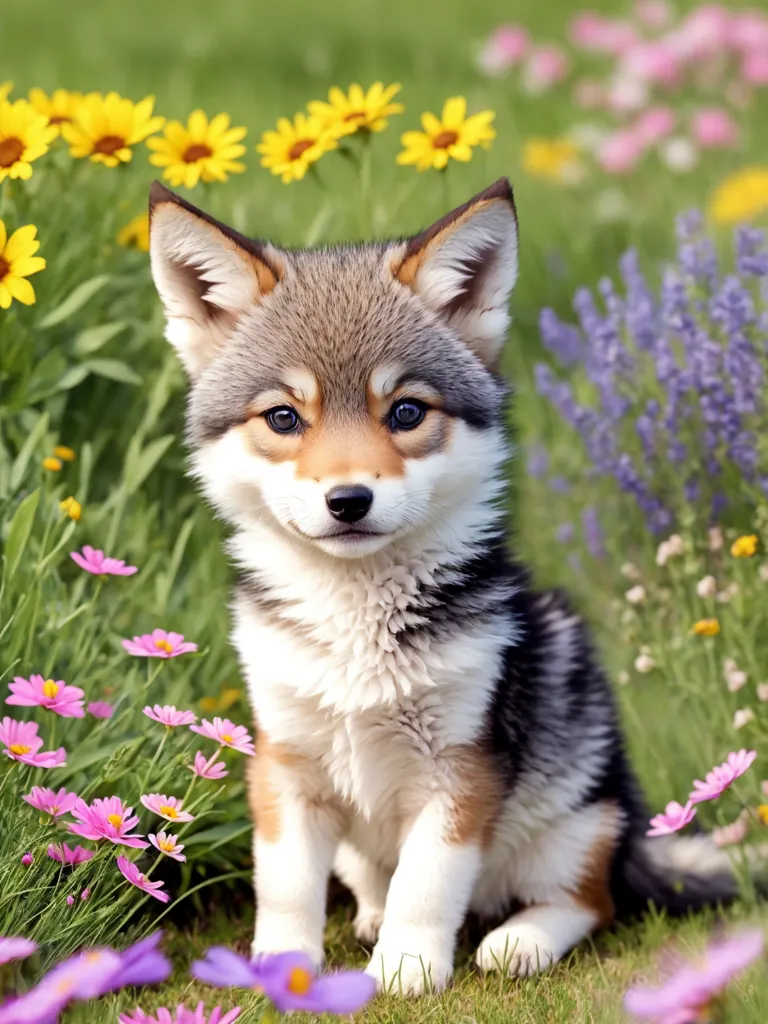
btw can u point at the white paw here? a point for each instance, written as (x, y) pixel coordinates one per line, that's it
(519, 950)
(368, 924)
(408, 963)
(279, 934)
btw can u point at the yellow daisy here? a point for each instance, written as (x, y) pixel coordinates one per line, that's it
(452, 136)
(52, 464)
(18, 262)
(741, 196)
(295, 145)
(105, 127)
(745, 546)
(135, 234)
(348, 112)
(59, 107)
(706, 627)
(5, 89)
(553, 159)
(204, 150)
(71, 507)
(25, 135)
(62, 451)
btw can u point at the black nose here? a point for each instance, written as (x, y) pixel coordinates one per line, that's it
(349, 504)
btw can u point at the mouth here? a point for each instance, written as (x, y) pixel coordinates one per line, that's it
(345, 536)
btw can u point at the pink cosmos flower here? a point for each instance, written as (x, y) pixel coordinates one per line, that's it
(722, 776)
(181, 1016)
(749, 30)
(55, 695)
(67, 856)
(673, 819)
(620, 152)
(754, 67)
(730, 835)
(15, 949)
(168, 807)
(211, 769)
(654, 124)
(226, 733)
(590, 31)
(22, 743)
(85, 895)
(684, 997)
(107, 819)
(95, 562)
(654, 62)
(504, 48)
(70, 901)
(169, 716)
(654, 13)
(703, 33)
(100, 709)
(714, 128)
(158, 644)
(27, 860)
(545, 67)
(135, 877)
(48, 802)
(168, 844)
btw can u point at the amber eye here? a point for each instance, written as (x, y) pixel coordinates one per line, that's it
(406, 414)
(283, 419)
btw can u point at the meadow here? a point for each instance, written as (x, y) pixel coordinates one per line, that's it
(641, 477)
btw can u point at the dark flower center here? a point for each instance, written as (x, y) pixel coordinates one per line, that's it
(59, 119)
(445, 139)
(5, 268)
(355, 115)
(109, 144)
(196, 152)
(300, 147)
(10, 151)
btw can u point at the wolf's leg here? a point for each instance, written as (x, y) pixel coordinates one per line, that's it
(534, 939)
(369, 884)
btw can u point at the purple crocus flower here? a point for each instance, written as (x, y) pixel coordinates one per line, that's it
(15, 949)
(141, 964)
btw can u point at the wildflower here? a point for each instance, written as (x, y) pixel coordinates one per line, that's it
(762, 692)
(544, 67)
(731, 835)
(686, 996)
(728, 593)
(132, 874)
(288, 980)
(554, 160)
(168, 844)
(295, 146)
(71, 507)
(653, 125)
(70, 901)
(636, 595)
(503, 49)
(27, 860)
(52, 464)
(59, 108)
(168, 807)
(762, 572)
(227, 733)
(743, 717)
(201, 151)
(22, 743)
(357, 110)
(706, 587)
(590, 31)
(745, 546)
(645, 663)
(452, 136)
(182, 1016)
(735, 677)
(741, 196)
(50, 802)
(672, 547)
(71, 858)
(623, 678)
(706, 627)
(674, 818)
(229, 696)
(107, 819)
(159, 644)
(140, 964)
(17, 263)
(100, 709)
(630, 571)
(105, 128)
(135, 233)
(5, 89)
(94, 561)
(16, 949)
(169, 716)
(620, 152)
(61, 451)
(55, 695)
(714, 128)
(754, 67)
(25, 136)
(85, 895)
(722, 776)
(211, 769)
(715, 538)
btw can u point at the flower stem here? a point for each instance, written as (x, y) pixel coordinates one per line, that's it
(153, 762)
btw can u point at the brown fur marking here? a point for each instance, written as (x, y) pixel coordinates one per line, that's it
(263, 797)
(477, 800)
(593, 891)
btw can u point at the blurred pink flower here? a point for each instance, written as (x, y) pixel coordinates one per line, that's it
(135, 877)
(590, 31)
(626, 93)
(654, 13)
(730, 835)
(654, 124)
(22, 743)
(97, 563)
(168, 807)
(227, 733)
(620, 152)
(54, 695)
(168, 844)
(674, 818)
(504, 48)
(107, 819)
(654, 62)
(169, 716)
(714, 128)
(703, 33)
(545, 66)
(211, 769)
(181, 1016)
(589, 93)
(722, 776)
(159, 644)
(27, 860)
(49, 802)
(749, 30)
(66, 855)
(70, 901)
(85, 894)
(684, 997)
(100, 709)
(15, 949)
(754, 67)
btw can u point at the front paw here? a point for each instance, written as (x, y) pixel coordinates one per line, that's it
(368, 924)
(276, 933)
(410, 963)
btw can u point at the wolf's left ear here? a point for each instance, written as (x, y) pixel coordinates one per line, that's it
(206, 274)
(464, 268)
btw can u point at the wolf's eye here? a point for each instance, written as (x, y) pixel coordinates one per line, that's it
(282, 419)
(406, 414)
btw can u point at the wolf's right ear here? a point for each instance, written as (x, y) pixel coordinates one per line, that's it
(206, 274)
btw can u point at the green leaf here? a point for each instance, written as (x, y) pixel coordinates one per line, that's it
(139, 467)
(166, 580)
(19, 531)
(75, 300)
(93, 338)
(22, 459)
(113, 369)
(218, 834)
(75, 375)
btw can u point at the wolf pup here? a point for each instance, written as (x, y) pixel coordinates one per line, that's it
(429, 727)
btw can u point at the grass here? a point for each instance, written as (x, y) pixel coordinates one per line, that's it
(259, 64)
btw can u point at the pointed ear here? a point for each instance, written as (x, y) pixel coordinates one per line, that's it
(465, 266)
(206, 274)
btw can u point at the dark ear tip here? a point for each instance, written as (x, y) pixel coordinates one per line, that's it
(158, 193)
